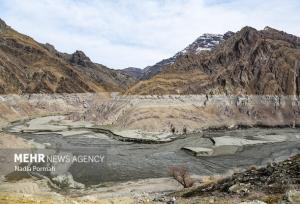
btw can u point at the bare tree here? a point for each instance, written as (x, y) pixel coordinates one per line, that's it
(181, 174)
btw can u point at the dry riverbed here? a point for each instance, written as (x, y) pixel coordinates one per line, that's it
(139, 163)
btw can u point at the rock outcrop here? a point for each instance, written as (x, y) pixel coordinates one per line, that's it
(80, 58)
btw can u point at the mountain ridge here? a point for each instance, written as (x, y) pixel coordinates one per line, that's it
(27, 66)
(249, 62)
(204, 42)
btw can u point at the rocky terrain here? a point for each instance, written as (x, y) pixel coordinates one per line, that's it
(237, 80)
(205, 42)
(279, 180)
(249, 62)
(30, 67)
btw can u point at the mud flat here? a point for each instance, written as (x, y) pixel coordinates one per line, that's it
(227, 145)
(60, 125)
(136, 172)
(131, 160)
(135, 134)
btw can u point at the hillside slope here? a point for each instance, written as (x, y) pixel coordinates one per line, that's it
(249, 62)
(27, 66)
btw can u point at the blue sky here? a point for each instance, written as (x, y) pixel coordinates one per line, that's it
(122, 33)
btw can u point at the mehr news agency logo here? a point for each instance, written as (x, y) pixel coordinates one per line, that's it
(39, 158)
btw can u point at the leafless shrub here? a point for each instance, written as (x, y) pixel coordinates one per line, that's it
(181, 174)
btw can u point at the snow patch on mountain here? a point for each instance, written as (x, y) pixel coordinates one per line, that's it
(203, 43)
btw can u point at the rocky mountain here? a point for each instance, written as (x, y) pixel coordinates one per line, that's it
(205, 42)
(110, 79)
(248, 62)
(134, 72)
(27, 66)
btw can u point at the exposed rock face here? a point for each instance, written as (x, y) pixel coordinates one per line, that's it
(17, 107)
(205, 42)
(194, 112)
(249, 62)
(156, 114)
(30, 67)
(265, 62)
(81, 59)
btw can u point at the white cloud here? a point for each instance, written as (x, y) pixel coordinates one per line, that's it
(121, 33)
